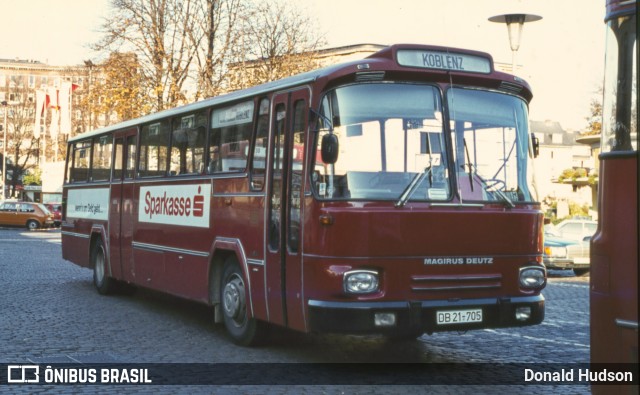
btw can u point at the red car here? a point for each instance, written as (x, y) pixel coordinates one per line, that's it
(56, 210)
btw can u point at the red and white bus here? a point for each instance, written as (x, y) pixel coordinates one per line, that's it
(614, 246)
(387, 195)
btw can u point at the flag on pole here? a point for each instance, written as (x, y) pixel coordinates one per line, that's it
(65, 107)
(41, 102)
(52, 98)
(54, 128)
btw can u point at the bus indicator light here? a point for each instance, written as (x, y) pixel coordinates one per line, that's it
(384, 319)
(523, 313)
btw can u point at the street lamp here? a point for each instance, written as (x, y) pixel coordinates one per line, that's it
(4, 149)
(514, 22)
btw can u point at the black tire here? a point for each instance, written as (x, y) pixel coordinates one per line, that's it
(244, 331)
(32, 224)
(101, 280)
(581, 272)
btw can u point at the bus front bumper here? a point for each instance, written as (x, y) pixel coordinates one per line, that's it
(424, 316)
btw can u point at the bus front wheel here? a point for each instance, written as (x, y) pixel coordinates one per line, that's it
(244, 331)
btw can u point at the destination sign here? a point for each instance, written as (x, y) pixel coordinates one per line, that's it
(444, 61)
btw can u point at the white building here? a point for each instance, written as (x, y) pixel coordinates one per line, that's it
(559, 151)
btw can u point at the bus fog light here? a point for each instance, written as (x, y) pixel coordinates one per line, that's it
(532, 277)
(384, 319)
(523, 313)
(360, 282)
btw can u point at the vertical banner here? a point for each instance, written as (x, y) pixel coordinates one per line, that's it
(54, 105)
(41, 98)
(65, 107)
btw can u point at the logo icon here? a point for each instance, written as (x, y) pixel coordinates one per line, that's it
(23, 374)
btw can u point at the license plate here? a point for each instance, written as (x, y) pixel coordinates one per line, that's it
(451, 317)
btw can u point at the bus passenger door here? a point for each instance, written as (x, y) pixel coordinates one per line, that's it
(284, 209)
(121, 213)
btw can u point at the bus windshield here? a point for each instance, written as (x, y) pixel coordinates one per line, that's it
(392, 144)
(389, 135)
(491, 146)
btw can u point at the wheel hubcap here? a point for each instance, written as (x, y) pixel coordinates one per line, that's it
(233, 299)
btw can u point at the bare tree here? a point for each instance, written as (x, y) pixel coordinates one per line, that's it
(215, 33)
(120, 87)
(193, 45)
(21, 142)
(278, 40)
(158, 32)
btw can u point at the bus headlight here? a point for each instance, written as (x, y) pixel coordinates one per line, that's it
(532, 277)
(360, 281)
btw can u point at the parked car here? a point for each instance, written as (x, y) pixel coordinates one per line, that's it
(566, 254)
(56, 210)
(577, 229)
(31, 215)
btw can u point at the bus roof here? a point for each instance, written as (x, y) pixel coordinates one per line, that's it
(616, 8)
(386, 54)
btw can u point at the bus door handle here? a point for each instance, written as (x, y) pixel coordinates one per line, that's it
(257, 184)
(627, 324)
(228, 201)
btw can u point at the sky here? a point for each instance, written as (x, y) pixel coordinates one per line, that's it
(561, 56)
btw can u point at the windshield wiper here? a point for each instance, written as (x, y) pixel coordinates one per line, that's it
(412, 187)
(501, 194)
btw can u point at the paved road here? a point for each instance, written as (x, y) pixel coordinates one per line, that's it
(50, 313)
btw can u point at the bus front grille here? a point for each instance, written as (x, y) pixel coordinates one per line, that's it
(422, 283)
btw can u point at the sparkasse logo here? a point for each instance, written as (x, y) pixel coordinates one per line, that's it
(186, 205)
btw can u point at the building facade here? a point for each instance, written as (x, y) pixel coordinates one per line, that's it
(37, 118)
(565, 169)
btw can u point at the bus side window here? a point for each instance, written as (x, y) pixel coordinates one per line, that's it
(187, 144)
(130, 159)
(81, 156)
(261, 140)
(101, 158)
(118, 154)
(154, 149)
(296, 165)
(229, 137)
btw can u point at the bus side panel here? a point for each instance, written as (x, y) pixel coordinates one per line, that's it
(76, 249)
(239, 214)
(170, 246)
(86, 208)
(614, 264)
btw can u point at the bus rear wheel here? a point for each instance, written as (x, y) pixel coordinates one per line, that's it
(103, 283)
(244, 331)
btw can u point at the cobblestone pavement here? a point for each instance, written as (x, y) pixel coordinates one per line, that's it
(50, 313)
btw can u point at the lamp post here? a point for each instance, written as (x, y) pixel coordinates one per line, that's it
(514, 23)
(4, 149)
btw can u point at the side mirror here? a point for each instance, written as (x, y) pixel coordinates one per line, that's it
(329, 148)
(535, 145)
